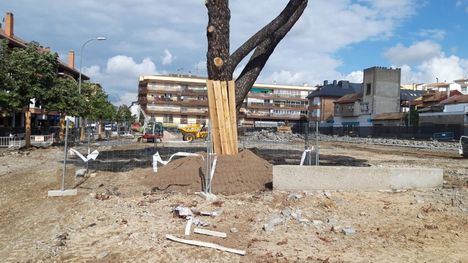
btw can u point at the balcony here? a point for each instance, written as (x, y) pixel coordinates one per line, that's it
(259, 105)
(194, 92)
(163, 108)
(271, 116)
(165, 88)
(194, 103)
(276, 96)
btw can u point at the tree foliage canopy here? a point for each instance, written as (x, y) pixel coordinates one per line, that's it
(31, 74)
(124, 114)
(64, 97)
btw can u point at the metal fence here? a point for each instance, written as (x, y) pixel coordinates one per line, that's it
(11, 142)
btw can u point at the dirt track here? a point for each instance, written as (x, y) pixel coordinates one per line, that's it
(429, 226)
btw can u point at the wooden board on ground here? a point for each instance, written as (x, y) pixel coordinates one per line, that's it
(205, 244)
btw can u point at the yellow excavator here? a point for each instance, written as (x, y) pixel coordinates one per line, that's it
(193, 132)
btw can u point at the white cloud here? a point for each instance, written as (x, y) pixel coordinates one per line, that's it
(440, 67)
(437, 34)
(127, 98)
(425, 61)
(138, 29)
(168, 57)
(414, 54)
(120, 77)
(444, 68)
(355, 76)
(126, 66)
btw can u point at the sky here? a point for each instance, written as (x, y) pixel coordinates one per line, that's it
(334, 39)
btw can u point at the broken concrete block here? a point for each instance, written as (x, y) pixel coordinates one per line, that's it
(287, 212)
(80, 172)
(213, 213)
(183, 212)
(348, 231)
(274, 221)
(317, 222)
(294, 196)
(332, 221)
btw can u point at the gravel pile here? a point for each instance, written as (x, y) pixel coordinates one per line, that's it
(266, 135)
(270, 136)
(435, 145)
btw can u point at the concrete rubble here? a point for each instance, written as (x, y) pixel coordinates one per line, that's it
(272, 136)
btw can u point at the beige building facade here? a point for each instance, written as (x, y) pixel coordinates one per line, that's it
(178, 100)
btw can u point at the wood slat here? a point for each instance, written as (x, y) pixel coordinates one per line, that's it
(227, 118)
(220, 115)
(233, 115)
(213, 117)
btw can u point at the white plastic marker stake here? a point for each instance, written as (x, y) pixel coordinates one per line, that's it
(304, 154)
(205, 244)
(212, 171)
(188, 226)
(157, 158)
(91, 156)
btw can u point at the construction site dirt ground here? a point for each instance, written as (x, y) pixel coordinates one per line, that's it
(117, 218)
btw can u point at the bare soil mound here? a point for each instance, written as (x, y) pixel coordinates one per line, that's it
(245, 172)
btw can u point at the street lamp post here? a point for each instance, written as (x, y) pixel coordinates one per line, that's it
(81, 68)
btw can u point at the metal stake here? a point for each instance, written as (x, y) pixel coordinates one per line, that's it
(62, 191)
(65, 156)
(317, 143)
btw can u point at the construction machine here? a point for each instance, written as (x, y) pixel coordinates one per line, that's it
(150, 130)
(463, 147)
(192, 132)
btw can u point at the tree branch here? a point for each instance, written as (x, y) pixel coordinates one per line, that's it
(261, 54)
(263, 33)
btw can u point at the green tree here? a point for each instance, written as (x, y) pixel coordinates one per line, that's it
(98, 105)
(124, 116)
(5, 79)
(32, 72)
(64, 98)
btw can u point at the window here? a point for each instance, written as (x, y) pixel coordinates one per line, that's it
(168, 118)
(368, 89)
(183, 119)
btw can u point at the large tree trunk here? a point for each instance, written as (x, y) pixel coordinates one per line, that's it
(62, 127)
(221, 65)
(100, 122)
(27, 132)
(83, 129)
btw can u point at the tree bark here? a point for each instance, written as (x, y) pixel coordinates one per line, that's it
(62, 127)
(264, 33)
(83, 130)
(100, 122)
(221, 65)
(27, 132)
(261, 54)
(219, 17)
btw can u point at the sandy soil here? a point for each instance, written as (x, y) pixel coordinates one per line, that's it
(129, 222)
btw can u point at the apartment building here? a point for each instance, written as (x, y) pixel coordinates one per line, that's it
(380, 95)
(321, 101)
(180, 99)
